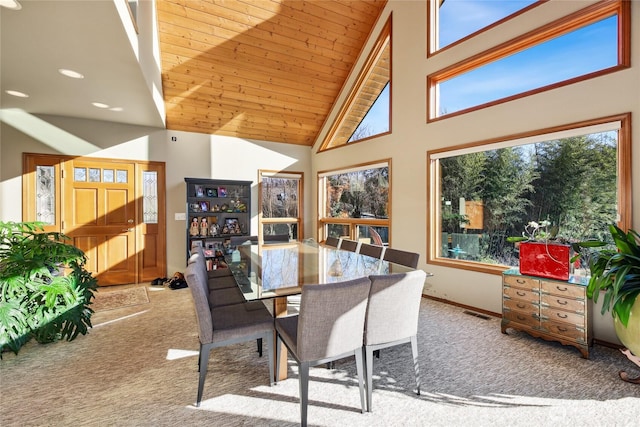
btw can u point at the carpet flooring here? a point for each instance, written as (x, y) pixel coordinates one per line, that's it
(138, 367)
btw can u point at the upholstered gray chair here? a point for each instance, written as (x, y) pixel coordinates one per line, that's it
(332, 241)
(329, 327)
(216, 279)
(349, 245)
(275, 238)
(392, 318)
(409, 259)
(373, 251)
(239, 240)
(226, 325)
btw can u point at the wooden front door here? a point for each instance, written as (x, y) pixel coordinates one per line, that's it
(114, 210)
(100, 217)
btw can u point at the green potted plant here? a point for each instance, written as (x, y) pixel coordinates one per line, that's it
(45, 290)
(616, 274)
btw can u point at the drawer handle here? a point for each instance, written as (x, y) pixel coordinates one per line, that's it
(520, 305)
(521, 317)
(561, 329)
(520, 281)
(521, 294)
(564, 289)
(562, 316)
(562, 302)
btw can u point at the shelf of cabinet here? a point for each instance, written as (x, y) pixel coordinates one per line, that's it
(216, 211)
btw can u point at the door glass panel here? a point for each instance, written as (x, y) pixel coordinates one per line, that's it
(94, 175)
(79, 174)
(150, 197)
(121, 176)
(107, 175)
(45, 194)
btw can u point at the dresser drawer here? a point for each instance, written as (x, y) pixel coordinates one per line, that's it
(524, 307)
(562, 289)
(569, 304)
(520, 294)
(520, 317)
(521, 282)
(566, 330)
(556, 315)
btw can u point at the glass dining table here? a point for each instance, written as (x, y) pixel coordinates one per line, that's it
(272, 272)
(278, 270)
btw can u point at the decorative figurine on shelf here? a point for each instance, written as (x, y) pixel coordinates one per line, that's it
(204, 227)
(215, 208)
(213, 229)
(194, 229)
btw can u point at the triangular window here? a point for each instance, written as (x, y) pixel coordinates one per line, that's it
(366, 112)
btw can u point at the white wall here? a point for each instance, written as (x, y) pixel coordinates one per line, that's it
(412, 137)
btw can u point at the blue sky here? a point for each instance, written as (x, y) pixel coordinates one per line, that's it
(585, 50)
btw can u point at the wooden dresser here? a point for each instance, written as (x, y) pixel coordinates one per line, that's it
(555, 310)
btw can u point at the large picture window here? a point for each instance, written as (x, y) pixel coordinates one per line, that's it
(354, 203)
(583, 45)
(576, 177)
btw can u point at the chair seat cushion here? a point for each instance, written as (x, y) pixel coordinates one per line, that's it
(232, 321)
(220, 272)
(287, 328)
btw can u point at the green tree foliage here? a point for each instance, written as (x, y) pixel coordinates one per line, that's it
(359, 193)
(571, 182)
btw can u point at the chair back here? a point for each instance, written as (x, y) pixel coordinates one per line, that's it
(331, 319)
(239, 240)
(349, 245)
(271, 238)
(197, 257)
(374, 251)
(394, 305)
(409, 259)
(332, 241)
(197, 281)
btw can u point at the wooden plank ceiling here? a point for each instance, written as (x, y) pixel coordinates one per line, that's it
(258, 69)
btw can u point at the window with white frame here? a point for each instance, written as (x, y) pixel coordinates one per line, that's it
(281, 203)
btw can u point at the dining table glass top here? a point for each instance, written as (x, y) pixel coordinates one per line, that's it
(278, 270)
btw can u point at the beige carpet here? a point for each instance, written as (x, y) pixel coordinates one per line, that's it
(110, 299)
(138, 367)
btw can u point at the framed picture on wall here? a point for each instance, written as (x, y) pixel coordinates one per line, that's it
(199, 191)
(204, 206)
(212, 192)
(222, 192)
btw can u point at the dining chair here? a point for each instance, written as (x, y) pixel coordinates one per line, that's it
(332, 241)
(275, 238)
(409, 259)
(239, 240)
(373, 251)
(222, 280)
(349, 245)
(330, 327)
(392, 318)
(226, 325)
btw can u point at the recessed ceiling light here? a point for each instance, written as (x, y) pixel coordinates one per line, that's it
(69, 73)
(17, 93)
(11, 4)
(99, 105)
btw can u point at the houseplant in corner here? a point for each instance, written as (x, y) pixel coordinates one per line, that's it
(616, 274)
(37, 299)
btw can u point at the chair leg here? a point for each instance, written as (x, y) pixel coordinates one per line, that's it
(303, 368)
(377, 354)
(259, 347)
(270, 351)
(368, 363)
(203, 362)
(414, 352)
(360, 371)
(278, 345)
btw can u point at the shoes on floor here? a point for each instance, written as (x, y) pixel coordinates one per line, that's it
(160, 281)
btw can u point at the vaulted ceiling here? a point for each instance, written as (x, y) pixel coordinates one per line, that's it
(265, 69)
(256, 69)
